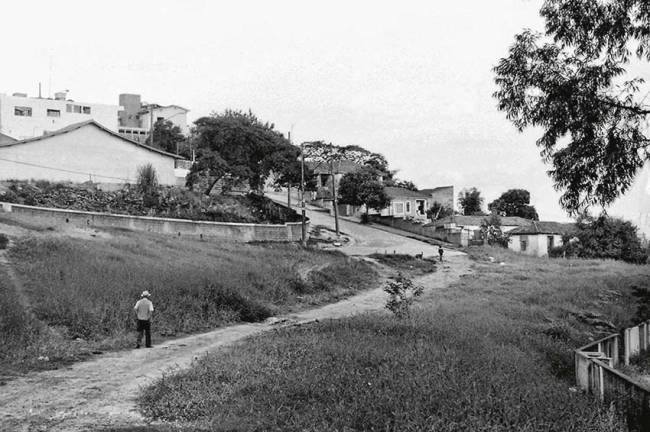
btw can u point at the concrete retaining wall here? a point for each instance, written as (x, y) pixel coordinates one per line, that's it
(243, 232)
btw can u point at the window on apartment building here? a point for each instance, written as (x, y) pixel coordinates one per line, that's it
(408, 207)
(53, 113)
(399, 208)
(72, 108)
(23, 111)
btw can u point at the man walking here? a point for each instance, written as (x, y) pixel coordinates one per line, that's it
(441, 252)
(144, 310)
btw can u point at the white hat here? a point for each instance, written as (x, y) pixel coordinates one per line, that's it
(145, 293)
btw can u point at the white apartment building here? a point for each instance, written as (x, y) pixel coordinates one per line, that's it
(23, 117)
(173, 113)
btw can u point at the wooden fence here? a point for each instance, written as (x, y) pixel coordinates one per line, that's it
(596, 374)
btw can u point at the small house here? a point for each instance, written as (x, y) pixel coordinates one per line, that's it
(406, 204)
(538, 238)
(86, 151)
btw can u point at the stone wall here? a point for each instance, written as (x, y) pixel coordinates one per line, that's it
(242, 232)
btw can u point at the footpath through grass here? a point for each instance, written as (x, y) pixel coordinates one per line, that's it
(82, 291)
(493, 352)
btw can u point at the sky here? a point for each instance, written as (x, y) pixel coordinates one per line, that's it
(412, 80)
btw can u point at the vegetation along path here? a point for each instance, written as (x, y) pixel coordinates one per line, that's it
(101, 393)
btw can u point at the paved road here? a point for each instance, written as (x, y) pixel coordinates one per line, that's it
(367, 240)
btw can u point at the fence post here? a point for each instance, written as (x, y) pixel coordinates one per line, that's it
(615, 355)
(626, 346)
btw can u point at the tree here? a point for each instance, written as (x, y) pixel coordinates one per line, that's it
(319, 151)
(286, 166)
(405, 184)
(439, 211)
(605, 237)
(362, 188)
(492, 232)
(239, 145)
(514, 202)
(167, 137)
(573, 83)
(470, 201)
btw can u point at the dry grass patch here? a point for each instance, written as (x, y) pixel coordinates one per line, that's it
(491, 352)
(82, 291)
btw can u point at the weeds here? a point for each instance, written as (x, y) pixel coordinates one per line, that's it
(86, 289)
(492, 352)
(406, 263)
(401, 295)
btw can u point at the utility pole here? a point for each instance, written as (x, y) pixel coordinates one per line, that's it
(302, 193)
(334, 200)
(289, 182)
(151, 121)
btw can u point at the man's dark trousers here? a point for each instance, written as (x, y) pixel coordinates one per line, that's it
(144, 326)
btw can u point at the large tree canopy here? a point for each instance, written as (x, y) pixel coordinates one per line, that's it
(324, 153)
(167, 136)
(237, 144)
(514, 202)
(470, 201)
(362, 188)
(573, 83)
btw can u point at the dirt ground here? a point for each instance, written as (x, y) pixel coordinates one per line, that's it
(100, 394)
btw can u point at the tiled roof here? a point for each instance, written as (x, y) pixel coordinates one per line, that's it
(397, 192)
(79, 125)
(537, 227)
(478, 220)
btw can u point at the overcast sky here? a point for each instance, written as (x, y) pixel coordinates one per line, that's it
(411, 80)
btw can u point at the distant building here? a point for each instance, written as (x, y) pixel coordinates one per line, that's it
(443, 195)
(135, 117)
(23, 117)
(406, 204)
(538, 238)
(86, 151)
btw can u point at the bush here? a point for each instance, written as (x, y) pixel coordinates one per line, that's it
(365, 218)
(605, 237)
(4, 241)
(402, 293)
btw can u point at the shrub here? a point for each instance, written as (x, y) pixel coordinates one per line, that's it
(147, 180)
(365, 218)
(605, 237)
(402, 293)
(4, 241)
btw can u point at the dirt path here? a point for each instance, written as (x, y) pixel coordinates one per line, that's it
(101, 393)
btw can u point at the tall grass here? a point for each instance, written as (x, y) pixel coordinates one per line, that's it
(86, 290)
(492, 352)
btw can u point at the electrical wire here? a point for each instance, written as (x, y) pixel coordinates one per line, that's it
(90, 175)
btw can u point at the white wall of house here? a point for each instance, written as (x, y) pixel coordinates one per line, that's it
(533, 244)
(176, 115)
(47, 115)
(84, 154)
(405, 208)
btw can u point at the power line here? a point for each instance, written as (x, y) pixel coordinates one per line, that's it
(64, 170)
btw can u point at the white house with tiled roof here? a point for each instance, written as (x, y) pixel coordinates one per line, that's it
(538, 238)
(82, 152)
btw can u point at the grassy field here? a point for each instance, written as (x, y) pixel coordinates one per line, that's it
(82, 291)
(493, 352)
